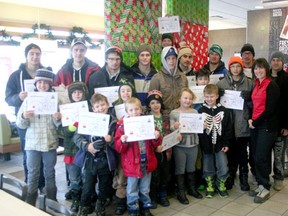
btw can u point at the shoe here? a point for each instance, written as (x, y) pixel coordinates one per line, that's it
(85, 211)
(163, 201)
(278, 185)
(244, 186)
(146, 212)
(193, 192)
(181, 196)
(254, 192)
(153, 205)
(229, 182)
(100, 209)
(120, 209)
(68, 195)
(133, 213)
(75, 206)
(262, 196)
(210, 192)
(222, 191)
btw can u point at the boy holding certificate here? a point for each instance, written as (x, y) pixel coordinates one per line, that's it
(99, 161)
(41, 139)
(138, 161)
(185, 153)
(214, 142)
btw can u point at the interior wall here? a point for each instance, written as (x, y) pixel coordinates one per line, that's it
(30, 15)
(258, 31)
(231, 41)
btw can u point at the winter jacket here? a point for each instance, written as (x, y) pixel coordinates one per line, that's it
(102, 79)
(219, 70)
(66, 75)
(265, 98)
(15, 85)
(218, 131)
(239, 118)
(187, 73)
(41, 132)
(130, 153)
(142, 82)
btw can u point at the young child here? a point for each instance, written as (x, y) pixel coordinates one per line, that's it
(214, 142)
(98, 162)
(236, 80)
(161, 176)
(77, 92)
(185, 153)
(41, 140)
(126, 91)
(138, 161)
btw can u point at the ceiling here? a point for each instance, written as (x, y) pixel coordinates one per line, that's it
(223, 14)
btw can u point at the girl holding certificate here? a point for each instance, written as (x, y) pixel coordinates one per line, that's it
(185, 153)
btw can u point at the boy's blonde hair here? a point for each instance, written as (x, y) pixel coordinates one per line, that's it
(96, 97)
(133, 100)
(185, 89)
(211, 89)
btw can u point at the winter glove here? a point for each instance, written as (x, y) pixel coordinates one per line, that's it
(246, 95)
(99, 144)
(221, 92)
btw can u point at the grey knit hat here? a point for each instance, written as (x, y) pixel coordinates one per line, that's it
(278, 55)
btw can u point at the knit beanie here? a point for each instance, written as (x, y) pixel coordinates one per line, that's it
(248, 47)
(31, 46)
(235, 59)
(78, 41)
(44, 74)
(114, 49)
(80, 86)
(167, 35)
(143, 48)
(155, 95)
(216, 49)
(184, 49)
(124, 81)
(278, 55)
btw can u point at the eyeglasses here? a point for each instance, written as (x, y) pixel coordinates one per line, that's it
(114, 59)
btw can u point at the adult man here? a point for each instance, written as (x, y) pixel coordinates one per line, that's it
(215, 65)
(247, 54)
(166, 40)
(112, 72)
(78, 68)
(143, 71)
(16, 92)
(185, 59)
(281, 78)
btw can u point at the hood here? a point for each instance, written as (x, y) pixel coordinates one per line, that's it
(163, 60)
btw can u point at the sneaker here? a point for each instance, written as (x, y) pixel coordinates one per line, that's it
(262, 196)
(210, 187)
(210, 194)
(254, 192)
(222, 191)
(278, 185)
(163, 201)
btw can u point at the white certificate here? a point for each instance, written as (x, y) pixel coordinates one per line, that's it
(110, 92)
(42, 102)
(198, 91)
(62, 94)
(70, 112)
(120, 111)
(139, 128)
(191, 123)
(170, 140)
(191, 80)
(232, 100)
(29, 85)
(91, 123)
(214, 78)
(169, 24)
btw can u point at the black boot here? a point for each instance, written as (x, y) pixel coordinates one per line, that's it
(230, 181)
(244, 182)
(75, 200)
(181, 196)
(162, 199)
(192, 191)
(153, 197)
(100, 209)
(120, 206)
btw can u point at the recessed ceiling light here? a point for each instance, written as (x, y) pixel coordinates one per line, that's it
(259, 7)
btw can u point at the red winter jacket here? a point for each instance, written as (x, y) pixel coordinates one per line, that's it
(130, 153)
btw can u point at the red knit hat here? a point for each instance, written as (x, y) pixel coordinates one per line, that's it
(235, 59)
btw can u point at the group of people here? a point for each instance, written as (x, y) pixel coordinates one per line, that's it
(138, 174)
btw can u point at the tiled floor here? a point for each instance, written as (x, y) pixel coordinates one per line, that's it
(238, 203)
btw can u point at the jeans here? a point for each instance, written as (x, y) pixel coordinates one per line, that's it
(74, 176)
(221, 164)
(41, 182)
(138, 190)
(279, 158)
(96, 170)
(34, 159)
(262, 142)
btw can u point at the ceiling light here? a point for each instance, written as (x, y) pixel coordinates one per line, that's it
(259, 7)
